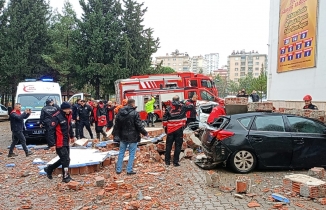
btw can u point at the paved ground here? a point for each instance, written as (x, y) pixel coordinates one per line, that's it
(173, 188)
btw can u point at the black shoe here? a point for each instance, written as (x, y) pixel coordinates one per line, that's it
(131, 173)
(12, 155)
(176, 164)
(48, 172)
(67, 179)
(29, 153)
(117, 172)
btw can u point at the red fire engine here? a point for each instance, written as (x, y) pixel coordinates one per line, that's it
(164, 95)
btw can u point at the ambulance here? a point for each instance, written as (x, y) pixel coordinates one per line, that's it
(32, 94)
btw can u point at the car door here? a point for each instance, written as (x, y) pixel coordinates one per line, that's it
(271, 142)
(309, 142)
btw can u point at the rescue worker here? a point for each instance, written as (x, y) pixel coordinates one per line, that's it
(99, 117)
(216, 112)
(192, 114)
(75, 108)
(149, 108)
(110, 110)
(46, 116)
(17, 126)
(61, 135)
(174, 121)
(83, 113)
(308, 105)
(254, 96)
(124, 103)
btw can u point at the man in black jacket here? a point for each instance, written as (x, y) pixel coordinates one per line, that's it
(74, 117)
(83, 113)
(46, 115)
(17, 127)
(174, 121)
(254, 96)
(60, 136)
(128, 128)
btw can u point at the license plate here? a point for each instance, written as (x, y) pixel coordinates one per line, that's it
(38, 132)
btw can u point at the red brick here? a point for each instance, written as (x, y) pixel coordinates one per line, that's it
(107, 162)
(126, 195)
(99, 181)
(83, 170)
(73, 185)
(100, 194)
(74, 171)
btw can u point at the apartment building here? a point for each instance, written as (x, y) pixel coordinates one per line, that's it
(213, 60)
(223, 73)
(198, 65)
(180, 62)
(241, 63)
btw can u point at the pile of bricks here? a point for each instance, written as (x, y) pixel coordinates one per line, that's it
(314, 114)
(236, 101)
(317, 172)
(304, 185)
(243, 184)
(260, 107)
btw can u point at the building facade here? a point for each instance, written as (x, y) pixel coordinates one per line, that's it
(241, 63)
(199, 65)
(223, 73)
(180, 62)
(286, 89)
(213, 61)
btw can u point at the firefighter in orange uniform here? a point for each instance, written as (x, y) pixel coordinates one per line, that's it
(124, 103)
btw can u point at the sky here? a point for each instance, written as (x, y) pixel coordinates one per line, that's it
(200, 27)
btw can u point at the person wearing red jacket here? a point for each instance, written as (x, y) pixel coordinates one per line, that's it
(174, 121)
(110, 109)
(192, 113)
(216, 112)
(99, 114)
(60, 137)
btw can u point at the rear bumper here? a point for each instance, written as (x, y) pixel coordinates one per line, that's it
(218, 152)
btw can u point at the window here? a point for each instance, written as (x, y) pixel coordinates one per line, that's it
(206, 83)
(179, 64)
(245, 122)
(236, 63)
(269, 123)
(257, 58)
(174, 59)
(236, 69)
(206, 96)
(37, 101)
(193, 83)
(174, 64)
(168, 64)
(236, 74)
(185, 68)
(302, 125)
(256, 74)
(243, 63)
(256, 68)
(243, 69)
(242, 73)
(236, 79)
(3, 108)
(236, 58)
(250, 69)
(257, 63)
(191, 94)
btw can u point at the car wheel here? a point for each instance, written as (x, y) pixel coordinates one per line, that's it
(155, 118)
(243, 161)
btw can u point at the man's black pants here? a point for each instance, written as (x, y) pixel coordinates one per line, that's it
(77, 129)
(190, 120)
(177, 138)
(64, 160)
(87, 124)
(18, 136)
(150, 117)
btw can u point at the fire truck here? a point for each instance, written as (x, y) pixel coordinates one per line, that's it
(166, 94)
(180, 80)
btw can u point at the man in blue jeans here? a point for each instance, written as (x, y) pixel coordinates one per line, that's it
(127, 129)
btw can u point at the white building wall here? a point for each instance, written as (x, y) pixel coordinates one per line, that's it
(212, 62)
(293, 85)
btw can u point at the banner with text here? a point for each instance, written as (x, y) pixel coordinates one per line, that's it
(297, 35)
